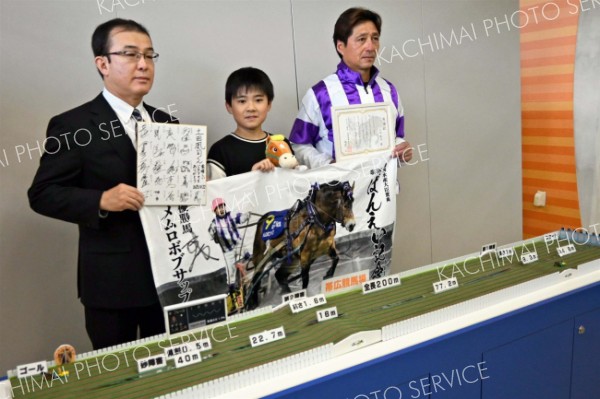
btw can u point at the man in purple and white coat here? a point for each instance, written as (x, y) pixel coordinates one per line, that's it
(356, 81)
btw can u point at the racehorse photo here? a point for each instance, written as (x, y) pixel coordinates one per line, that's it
(296, 237)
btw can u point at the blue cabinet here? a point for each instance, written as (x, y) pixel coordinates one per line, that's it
(538, 351)
(586, 356)
(535, 366)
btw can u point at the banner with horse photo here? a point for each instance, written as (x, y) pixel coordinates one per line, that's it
(262, 235)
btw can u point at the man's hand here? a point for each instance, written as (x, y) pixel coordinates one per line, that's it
(403, 151)
(264, 166)
(120, 198)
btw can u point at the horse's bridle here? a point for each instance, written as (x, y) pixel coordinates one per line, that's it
(313, 216)
(311, 199)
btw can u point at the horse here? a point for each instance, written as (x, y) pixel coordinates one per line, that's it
(307, 232)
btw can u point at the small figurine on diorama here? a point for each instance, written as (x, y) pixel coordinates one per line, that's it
(63, 355)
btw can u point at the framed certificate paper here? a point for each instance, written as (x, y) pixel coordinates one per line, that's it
(363, 128)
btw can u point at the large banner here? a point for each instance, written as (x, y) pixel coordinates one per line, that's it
(261, 235)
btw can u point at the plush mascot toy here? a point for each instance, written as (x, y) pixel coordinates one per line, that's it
(280, 154)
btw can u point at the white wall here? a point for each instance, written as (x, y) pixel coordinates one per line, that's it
(586, 112)
(462, 106)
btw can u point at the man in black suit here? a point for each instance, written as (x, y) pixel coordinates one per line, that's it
(87, 175)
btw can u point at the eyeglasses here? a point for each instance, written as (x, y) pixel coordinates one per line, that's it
(135, 56)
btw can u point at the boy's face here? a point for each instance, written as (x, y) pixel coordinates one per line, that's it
(249, 108)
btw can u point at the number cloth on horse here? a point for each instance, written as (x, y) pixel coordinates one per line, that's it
(274, 225)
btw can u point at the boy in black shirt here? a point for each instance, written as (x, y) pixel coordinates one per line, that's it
(248, 97)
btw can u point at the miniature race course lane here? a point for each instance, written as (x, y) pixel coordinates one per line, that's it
(113, 374)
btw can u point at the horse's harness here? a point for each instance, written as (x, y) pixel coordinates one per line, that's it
(312, 219)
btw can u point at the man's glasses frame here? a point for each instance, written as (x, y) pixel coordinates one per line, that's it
(135, 56)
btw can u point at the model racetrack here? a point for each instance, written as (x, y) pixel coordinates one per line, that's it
(90, 378)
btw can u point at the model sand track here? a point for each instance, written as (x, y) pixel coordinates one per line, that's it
(92, 379)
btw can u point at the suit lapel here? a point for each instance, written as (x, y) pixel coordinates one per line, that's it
(105, 118)
(157, 115)
(152, 112)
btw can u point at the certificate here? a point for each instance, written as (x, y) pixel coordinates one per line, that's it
(171, 163)
(363, 128)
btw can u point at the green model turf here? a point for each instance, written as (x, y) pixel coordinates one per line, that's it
(358, 312)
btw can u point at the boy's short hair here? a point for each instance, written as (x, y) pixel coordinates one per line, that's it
(248, 78)
(348, 20)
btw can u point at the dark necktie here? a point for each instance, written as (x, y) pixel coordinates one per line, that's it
(137, 116)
